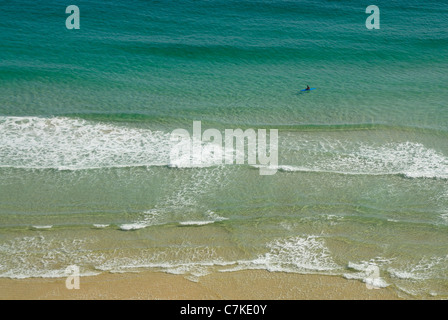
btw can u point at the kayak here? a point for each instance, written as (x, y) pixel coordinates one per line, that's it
(308, 89)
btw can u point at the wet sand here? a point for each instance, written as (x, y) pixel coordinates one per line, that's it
(240, 285)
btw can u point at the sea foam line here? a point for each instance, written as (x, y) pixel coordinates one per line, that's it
(70, 144)
(407, 159)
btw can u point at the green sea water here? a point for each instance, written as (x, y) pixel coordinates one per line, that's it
(86, 118)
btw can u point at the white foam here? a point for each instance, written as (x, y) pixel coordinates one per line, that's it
(148, 218)
(45, 274)
(423, 270)
(212, 215)
(43, 227)
(39, 256)
(369, 272)
(188, 160)
(376, 282)
(74, 144)
(101, 225)
(334, 217)
(409, 159)
(133, 226)
(400, 274)
(192, 270)
(308, 253)
(295, 254)
(193, 262)
(197, 223)
(71, 144)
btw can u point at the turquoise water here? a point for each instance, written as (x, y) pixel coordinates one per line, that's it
(86, 117)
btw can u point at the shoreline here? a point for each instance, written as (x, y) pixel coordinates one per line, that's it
(236, 285)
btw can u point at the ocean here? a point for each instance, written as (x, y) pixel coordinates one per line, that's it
(86, 117)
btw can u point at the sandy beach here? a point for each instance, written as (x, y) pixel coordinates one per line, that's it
(241, 285)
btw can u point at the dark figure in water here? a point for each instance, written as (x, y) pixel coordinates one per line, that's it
(307, 87)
